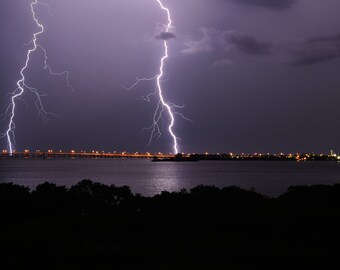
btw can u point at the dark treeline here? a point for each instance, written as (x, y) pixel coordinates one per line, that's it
(94, 226)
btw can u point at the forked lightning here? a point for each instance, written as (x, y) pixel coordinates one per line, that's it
(162, 105)
(21, 83)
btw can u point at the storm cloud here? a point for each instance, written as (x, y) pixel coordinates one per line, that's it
(272, 4)
(315, 50)
(302, 52)
(165, 36)
(247, 44)
(216, 40)
(210, 40)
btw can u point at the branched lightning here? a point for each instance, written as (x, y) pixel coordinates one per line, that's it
(21, 83)
(162, 105)
(159, 77)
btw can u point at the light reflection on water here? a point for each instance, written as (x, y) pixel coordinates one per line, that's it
(165, 176)
(149, 178)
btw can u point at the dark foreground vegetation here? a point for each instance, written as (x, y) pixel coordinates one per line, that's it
(93, 226)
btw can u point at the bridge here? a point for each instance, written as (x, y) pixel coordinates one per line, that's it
(50, 154)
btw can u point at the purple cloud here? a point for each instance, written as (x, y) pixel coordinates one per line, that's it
(165, 36)
(315, 50)
(248, 44)
(272, 4)
(207, 43)
(216, 40)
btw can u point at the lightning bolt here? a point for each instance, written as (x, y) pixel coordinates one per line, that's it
(162, 105)
(21, 83)
(159, 77)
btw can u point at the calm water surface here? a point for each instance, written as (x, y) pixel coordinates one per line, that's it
(149, 178)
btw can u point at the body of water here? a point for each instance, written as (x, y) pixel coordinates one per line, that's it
(149, 178)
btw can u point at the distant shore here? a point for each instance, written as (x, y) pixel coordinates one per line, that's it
(94, 226)
(50, 154)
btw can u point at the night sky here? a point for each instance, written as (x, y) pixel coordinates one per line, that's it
(255, 75)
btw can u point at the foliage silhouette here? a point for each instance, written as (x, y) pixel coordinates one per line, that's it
(94, 226)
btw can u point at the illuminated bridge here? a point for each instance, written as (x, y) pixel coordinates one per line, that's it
(50, 154)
